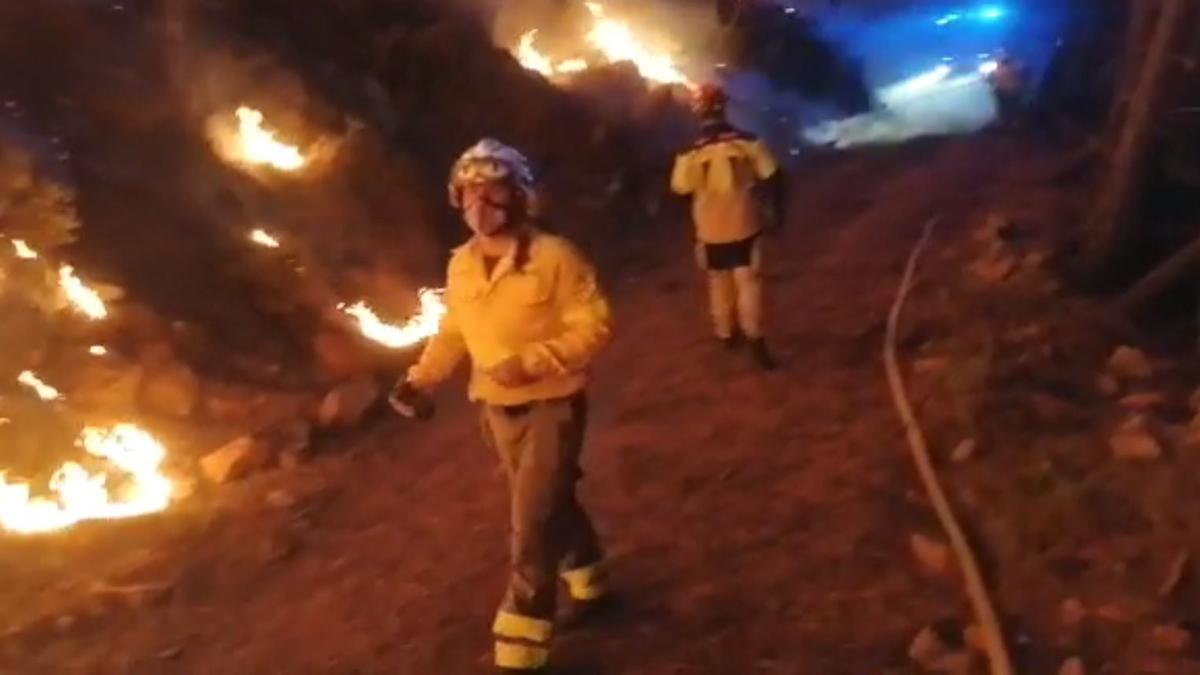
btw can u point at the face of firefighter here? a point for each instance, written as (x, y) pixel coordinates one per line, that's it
(487, 208)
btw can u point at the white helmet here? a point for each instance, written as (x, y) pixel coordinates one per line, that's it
(490, 160)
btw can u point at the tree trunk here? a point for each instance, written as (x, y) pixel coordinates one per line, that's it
(1180, 267)
(1137, 35)
(1111, 226)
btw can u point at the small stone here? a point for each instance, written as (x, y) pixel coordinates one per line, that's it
(934, 557)
(1130, 363)
(1113, 612)
(340, 355)
(1108, 385)
(1072, 612)
(234, 460)
(1170, 638)
(929, 651)
(931, 365)
(1144, 401)
(994, 269)
(281, 499)
(348, 403)
(1175, 573)
(1050, 409)
(65, 622)
(172, 389)
(1072, 666)
(964, 451)
(1133, 442)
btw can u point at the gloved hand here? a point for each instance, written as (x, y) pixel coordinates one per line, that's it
(510, 372)
(411, 402)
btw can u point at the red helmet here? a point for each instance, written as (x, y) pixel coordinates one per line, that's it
(709, 99)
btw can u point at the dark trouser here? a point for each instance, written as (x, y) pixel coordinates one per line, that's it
(551, 537)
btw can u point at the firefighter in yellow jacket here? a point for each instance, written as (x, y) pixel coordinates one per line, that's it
(721, 173)
(525, 307)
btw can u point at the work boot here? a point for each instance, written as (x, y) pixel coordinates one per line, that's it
(762, 356)
(577, 614)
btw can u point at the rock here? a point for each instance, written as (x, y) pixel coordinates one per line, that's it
(235, 460)
(289, 437)
(931, 365)
(1175, 573)
(171, 389)
(1072, 666)
(964, 451)
(994, 269)
(1130, 363)
(348, 403)
(228, 404)
(1133, 442)
(1114, 612)
(1072, 613)
(65, 622)
(1144, 401)
(107, 385)
(1170, 638)
(281, 499)
(934, 557)
(1107, 384)
(183, 486)
(1052, 410)
(340, 355)
(929, 651)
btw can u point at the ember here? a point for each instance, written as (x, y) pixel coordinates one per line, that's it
(43, 390)
(262, 238)
(24, 252)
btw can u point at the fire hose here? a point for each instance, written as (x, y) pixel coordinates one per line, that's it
(985, 613)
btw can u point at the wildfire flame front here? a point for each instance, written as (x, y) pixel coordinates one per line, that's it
(420, 327)
(84, 299)
(80, 495)
(43, 390)
(615, 41)
(259, 146)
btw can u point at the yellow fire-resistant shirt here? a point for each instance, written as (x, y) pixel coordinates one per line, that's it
(550, 313)
(720, 172)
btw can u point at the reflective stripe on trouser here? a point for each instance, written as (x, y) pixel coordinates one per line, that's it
(539, 445)
(737, 294)
(522, 643)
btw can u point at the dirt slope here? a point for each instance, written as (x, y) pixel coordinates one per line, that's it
(756, 523)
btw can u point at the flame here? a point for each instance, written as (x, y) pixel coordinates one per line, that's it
(618, 43)
(79, 495)
(257, 145)
(23, 251)
(423, 325)
(98, 350)
(84, 299)
(43, 390)
(532, 59)
(262, 238)
(612, 39)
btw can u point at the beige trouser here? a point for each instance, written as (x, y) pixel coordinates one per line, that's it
(735, 297)
(551, 535)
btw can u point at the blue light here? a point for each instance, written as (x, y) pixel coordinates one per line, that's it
(949, 19)
(992, 13)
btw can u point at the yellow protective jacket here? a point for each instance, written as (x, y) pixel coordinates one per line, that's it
(720, 173)
(550, 313)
